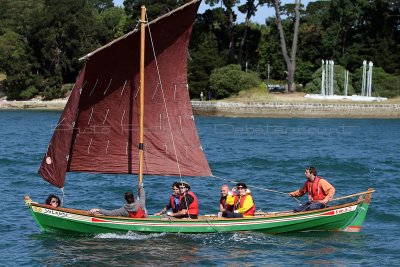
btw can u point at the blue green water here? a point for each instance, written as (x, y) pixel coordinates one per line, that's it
(268, 153)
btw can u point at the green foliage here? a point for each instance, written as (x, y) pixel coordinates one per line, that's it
(314, 86)
(154, 9)
(41, 41)
(204, 59)
(383, 83)
(28, 93)
(230, 80)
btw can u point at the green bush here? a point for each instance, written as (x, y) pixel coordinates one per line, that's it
(314, 86)
(230, 80)
(383, 84)
(28, 93)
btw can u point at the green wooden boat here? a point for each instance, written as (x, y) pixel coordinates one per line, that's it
(347, 217)
(108, 112)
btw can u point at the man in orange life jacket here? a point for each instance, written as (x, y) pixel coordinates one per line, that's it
(188, 205)
(242, 202)
(320, 192)
(132, 208)
(174, 200)
(224, 208)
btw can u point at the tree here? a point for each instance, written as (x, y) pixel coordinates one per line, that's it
(290, 62)
(249, 8)
(62, 32)
(204, 59)
(16, 59)
(229, 5)
(154, 9)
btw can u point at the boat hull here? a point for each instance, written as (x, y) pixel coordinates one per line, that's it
(348, 217)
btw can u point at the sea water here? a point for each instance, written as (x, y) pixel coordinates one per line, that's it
(266, 154)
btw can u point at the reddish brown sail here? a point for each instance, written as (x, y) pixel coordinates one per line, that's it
(99, 128)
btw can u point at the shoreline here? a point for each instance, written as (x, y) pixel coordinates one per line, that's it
(266, 109)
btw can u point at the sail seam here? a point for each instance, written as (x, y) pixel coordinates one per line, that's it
(155, 91)
(123, 88)
(107, 87)
(90, 118)
(88, 150)
(97, 80)
(105, 118)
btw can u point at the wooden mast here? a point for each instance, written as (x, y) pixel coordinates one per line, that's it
(141, 145)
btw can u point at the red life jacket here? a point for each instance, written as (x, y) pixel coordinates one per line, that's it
(193, 208)
(140, 213)
(172, 203)
(222, 201)
(249, 212)
(314, 191)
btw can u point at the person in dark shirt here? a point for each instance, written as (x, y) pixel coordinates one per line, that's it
(173, 202)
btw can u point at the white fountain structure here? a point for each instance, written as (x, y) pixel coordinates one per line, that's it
(327, 88)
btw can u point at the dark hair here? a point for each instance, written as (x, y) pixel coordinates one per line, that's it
(129, 197)
(175, 184)
(50, 197)
(312, 170)
(241, 184)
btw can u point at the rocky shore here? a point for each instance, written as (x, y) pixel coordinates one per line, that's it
(296, 109)
(269, 109)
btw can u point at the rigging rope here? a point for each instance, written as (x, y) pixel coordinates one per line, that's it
(261, 188)
(166, 109)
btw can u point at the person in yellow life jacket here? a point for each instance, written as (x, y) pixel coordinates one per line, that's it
(319, 190)
(242, 202)
(132, 208)
(188, 205)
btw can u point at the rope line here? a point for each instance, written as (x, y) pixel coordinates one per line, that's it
(166, 110)
(257, 187)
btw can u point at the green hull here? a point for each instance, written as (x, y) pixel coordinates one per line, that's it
(347, 217)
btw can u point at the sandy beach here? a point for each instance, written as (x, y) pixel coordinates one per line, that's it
(275, 106)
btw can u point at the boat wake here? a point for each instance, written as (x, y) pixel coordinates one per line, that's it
(130, 236)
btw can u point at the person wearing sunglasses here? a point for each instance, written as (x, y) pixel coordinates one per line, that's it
(53, 201)
(242, 202)
(188, 204)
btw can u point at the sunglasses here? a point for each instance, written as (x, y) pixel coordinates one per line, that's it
(54, 201)
(182, 187)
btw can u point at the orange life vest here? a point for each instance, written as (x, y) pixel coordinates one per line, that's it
(140, 213)
(193, 208)
(314, 191)
(237, 205)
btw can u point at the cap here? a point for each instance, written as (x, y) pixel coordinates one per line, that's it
(186, 184)
(241, 185)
